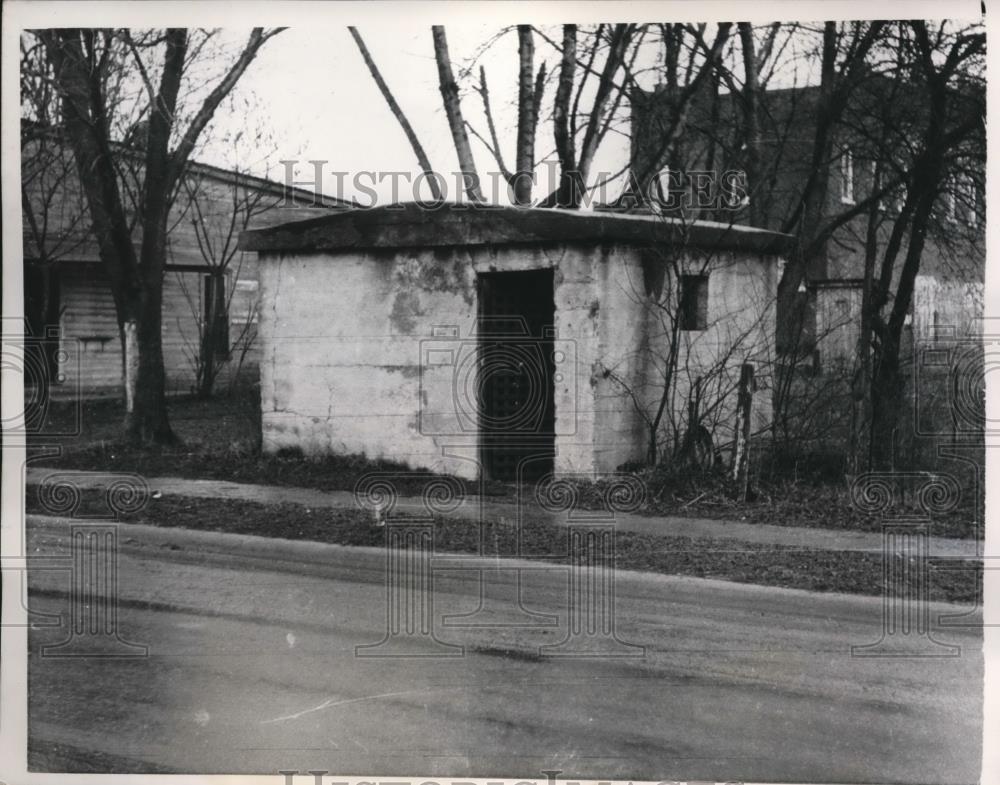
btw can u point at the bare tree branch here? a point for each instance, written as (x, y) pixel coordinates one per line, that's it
(258, 37)
(494, 145)
(397, 112)
(453, 110)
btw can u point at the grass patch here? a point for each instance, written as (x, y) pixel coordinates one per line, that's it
(725, 559)
(220, 440)
(824, 505)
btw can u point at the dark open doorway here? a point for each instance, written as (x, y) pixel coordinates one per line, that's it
(516, 391)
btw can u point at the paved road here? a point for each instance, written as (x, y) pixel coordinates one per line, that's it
(251, 668)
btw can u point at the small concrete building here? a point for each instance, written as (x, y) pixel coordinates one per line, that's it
(501, 342)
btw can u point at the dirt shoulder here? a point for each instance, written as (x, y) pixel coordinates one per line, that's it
(725, 559)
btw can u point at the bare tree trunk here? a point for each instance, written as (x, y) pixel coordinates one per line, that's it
(834, 91)
(680, 107)
(860, 448)
(887, 388)
(810, 209)
(453, 109)
(528, 98)
(397, 112)
(751, 88)
(146, 421)
(80, 71)
(206, 360)
(741, 435)
(565, 143)
(670, 367)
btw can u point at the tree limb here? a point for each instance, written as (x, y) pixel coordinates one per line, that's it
(453, 110)
(258, 37)
(484, 93)
(397, 112)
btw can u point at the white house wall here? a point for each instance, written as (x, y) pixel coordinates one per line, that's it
(342, 341)
(941, 310)
(89, 330)
(946, 309)
(740, 328)
(347, 340)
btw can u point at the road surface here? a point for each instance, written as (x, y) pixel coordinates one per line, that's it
(251, 667)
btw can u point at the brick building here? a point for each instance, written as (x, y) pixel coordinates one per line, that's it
(818, 336)
(880, 113)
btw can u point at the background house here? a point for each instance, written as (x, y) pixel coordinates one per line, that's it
(880, 114)
(210, 287)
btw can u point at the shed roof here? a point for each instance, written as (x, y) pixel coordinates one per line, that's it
(411, 225)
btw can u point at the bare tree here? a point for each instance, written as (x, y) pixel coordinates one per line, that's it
(682, 378)
(948, 65)
(607, 54)
(217, 234)
(453, 110)
(86, 65)
(682, 91)
(397, 112)
(902, 97)
(893, 105)
(52, 206)
(529, 99)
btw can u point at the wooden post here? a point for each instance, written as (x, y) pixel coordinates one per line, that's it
(694, 404)
(741, 442)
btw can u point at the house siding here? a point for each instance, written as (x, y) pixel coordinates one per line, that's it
(89, 330)
(88, 323)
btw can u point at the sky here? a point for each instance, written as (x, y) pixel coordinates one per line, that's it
(322, 103)
(312, 95)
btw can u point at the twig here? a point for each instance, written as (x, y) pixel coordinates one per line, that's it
(688, 504)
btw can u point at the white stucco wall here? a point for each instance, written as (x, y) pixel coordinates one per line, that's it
(838, 326)
(946, 309)
(352, 347)
(941, 310)
(740, 327)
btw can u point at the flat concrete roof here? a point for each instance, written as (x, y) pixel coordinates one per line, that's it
(411, 225)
